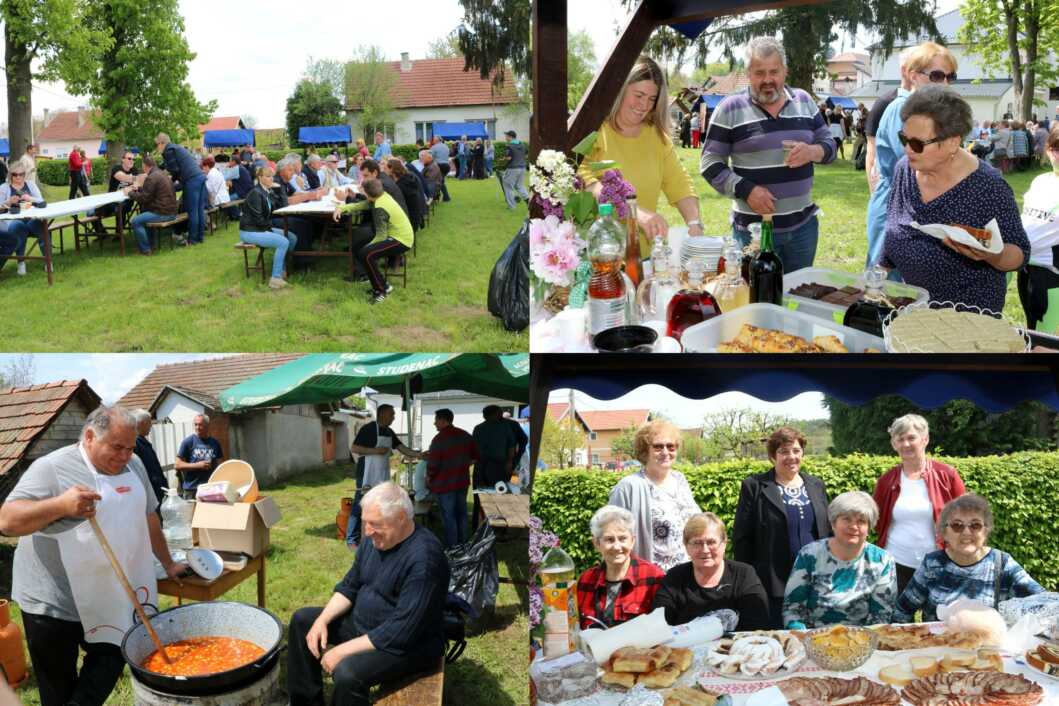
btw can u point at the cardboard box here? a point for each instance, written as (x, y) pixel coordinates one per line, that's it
(242, 527)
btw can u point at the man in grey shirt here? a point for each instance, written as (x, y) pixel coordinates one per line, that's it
(56, 494)
(441, 156)
(514, 178)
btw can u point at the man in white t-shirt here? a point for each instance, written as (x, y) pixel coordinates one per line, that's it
(1039, 282)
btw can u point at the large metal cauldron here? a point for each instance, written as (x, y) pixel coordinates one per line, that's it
(215, 619)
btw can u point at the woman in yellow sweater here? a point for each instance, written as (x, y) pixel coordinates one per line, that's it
(636, 136)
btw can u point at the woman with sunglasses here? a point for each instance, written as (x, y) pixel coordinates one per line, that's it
(658, 497)
(17, 193)
(925, 64)
(1040, 218)
(966, 568)
(779, 512)
(709, 582)
(940, 182)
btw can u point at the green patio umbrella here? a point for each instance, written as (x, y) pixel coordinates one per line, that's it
(328, 377)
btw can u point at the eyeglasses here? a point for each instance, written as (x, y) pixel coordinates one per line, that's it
(15, 174)
(959, 527)
(664, 447)
(915, 143)
(937, 76)
(708, 544)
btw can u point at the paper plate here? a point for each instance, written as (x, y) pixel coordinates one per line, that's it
(961, 236)
(206, 563)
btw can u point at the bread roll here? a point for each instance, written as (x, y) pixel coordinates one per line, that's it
(898, 675)
(924, 666)
(682, 657)
(635, 660)
(626, 680)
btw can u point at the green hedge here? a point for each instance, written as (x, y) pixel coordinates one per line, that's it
(54, 172)
(1022, 487)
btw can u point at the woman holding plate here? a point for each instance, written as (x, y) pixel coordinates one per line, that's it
(938, 182)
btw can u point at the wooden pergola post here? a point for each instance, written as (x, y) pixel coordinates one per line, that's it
(548, 67)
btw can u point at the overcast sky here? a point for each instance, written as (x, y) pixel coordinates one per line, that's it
(689, 413)
(250, 53)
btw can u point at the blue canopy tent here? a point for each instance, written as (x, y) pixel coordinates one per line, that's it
(103, 148)
(228, 138)
(841, 102)
(454, 131)
(325, 135)
(709, 99)
(991, 383)
(5, 147)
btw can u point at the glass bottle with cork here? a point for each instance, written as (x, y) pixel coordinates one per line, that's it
(607, 301)
(731, 291)
(766, 269)
(691, 305)
(869, 313)
(658, 288)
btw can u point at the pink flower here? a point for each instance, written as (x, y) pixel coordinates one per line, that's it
(555, 250)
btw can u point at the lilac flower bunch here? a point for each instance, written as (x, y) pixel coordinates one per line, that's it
(540, 541)
(615, 191)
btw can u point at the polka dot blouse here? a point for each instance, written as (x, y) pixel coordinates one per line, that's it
(925, 261)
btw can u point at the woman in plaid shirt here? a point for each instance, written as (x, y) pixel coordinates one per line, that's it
(623, 585)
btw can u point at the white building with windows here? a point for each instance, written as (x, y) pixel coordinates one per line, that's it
(429, 91)
(990, 96)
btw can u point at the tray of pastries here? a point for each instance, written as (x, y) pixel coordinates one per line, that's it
(755, 339)
(655, 667)
(911, 637)
(922, 329)
(754, 656)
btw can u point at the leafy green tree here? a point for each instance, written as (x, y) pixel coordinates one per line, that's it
(44, 40)
(447, 47)
(1008, 35)
(624, 445)
(739, 432)
(580, 66)
(695, 449)
(140, 87)
(958, 427)
(370, 84)
(494, 36)
(330, 72)
(312, 104)
(560, 442)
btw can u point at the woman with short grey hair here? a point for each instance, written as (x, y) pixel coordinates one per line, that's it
(843, 579)
(911, 495)
(623, 585)
(939, 182)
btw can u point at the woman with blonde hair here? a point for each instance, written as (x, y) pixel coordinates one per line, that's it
(636, 135)
(658, 496)
(923, 65)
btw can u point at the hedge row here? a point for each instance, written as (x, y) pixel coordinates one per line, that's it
(1022, 487)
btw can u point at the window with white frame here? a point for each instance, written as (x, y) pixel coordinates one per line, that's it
(424, 131)
(592, 436)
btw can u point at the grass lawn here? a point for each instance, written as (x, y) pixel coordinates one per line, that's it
(197, 299)
(305, 562)
(841, 192)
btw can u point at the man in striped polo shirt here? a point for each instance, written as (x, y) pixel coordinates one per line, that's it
(772, 133)
(449, 473)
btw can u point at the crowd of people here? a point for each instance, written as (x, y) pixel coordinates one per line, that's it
(926, 162)
(800, 560)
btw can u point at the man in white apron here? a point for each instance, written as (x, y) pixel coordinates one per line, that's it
(374, 444)
(67, 590)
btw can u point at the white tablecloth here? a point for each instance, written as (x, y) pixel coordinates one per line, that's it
(325, 205)
(67, 208)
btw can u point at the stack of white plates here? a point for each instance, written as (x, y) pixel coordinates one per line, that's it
(706, 248)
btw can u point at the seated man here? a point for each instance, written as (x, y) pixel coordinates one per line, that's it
(384, 619)
(370, 169)
(431, 173)
(241, 179)
(330, 177)
(157, 199)
(287, 193)
(311, 171)
(393, 234)
(121, 175)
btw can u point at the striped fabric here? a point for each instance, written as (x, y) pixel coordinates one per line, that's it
(449, 460)
(746, 134)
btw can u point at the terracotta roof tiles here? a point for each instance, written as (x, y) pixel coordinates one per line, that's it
(440, 82)
(70, 125)
(25, 412)
(221, 122)
(618, 419)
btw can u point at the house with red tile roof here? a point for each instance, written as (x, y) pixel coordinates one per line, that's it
(277, 442)
(64, 129)
(36, 420)
(601, 429)
(429, 91)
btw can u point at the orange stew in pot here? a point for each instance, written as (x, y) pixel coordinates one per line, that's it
(203, 655)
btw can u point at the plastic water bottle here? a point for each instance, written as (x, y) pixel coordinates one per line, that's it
(176, 521)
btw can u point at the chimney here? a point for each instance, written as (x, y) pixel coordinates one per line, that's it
(406, 63)
(45, 117)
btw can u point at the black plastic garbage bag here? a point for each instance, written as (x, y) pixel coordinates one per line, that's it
(509, 283)
(474, 574)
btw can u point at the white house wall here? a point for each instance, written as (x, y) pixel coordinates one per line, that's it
(61, 149)
(466, 411)
(178, 408)
(404, 120)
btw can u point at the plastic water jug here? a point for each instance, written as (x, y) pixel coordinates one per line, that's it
(176, 521)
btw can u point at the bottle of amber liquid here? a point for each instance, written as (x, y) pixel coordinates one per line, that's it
(606, 287)
(691, 305)
(730, 290)
(766, 270)
(633, 261)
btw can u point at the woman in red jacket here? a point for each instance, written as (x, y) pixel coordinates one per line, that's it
(910, 497)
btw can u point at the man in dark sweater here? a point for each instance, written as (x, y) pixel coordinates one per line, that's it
(146, 453)
(183, 168)
(384, 618)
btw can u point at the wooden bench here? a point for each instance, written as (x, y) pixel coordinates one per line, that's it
(215, 214)
(259, 263)
(59, 227)
(424, 689)
(155, 229)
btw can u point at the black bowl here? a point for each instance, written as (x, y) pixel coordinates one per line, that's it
(626, 339)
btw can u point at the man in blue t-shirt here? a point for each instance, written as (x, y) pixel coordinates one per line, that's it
(197, 457)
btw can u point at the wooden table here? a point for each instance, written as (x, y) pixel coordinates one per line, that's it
(195, 588)
(325, 209)
(505, 510)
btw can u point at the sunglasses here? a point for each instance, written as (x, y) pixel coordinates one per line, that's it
(959, 527)
(664, 447)
(15, 174)
(915, 143)
(938, 76)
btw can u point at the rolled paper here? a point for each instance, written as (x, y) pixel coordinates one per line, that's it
(642, 631)
(697, 632)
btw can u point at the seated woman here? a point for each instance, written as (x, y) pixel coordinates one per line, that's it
(939, 182)
(17, 193)
(636, 134)
(842, 579)
(409, 186)
(217, 186)
(708, 582)
(623, 586)
(966, 568)
(255, 226)
(1040, 218)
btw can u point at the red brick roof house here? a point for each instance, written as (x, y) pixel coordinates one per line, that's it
(36, 420)
(277, 442)
(427, 91)
(601, 429)
(64, 129)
